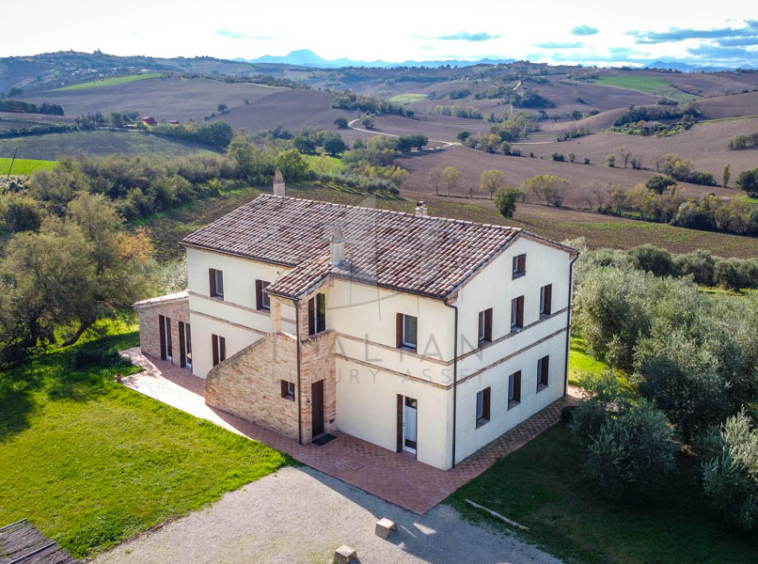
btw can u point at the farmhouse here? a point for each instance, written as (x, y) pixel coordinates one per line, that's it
(149, 120)
(422, 335)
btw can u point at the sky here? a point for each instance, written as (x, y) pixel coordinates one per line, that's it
(577, 31)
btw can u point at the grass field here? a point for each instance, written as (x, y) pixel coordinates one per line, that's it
(92, 463)
(24, 166)
(108, 82)
(648, 84)
(542, 487)
(97, 143)
(408, 98)
(324, 163)
(580, 362)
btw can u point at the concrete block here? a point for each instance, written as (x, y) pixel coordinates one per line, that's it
(345, 554)
(384, 527)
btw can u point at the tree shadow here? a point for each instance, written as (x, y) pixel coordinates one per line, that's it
(17, 402)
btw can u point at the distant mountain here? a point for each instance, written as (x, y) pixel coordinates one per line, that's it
(307, 58)
(685, 67)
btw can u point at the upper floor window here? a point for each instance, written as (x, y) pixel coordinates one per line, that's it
(262, 300)
(543, 369)
(514, 389)
(217, 283)
(483, 407)
(407, 331)
(519, 265)
(546, 300)
(317, 314)
(485, 326)
(517, 313)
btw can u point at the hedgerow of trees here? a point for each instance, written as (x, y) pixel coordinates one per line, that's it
(29, 108)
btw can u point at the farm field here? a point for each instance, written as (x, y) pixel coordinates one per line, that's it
(107, 82)
(92, 463)
(408, 98)
(24, 166)
(648, 84)
(97, 143)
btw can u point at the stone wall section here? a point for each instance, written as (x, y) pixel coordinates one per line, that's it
(149, 326)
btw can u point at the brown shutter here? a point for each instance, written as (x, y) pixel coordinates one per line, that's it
(259, 294)
(182, 350)
(162, 335)
(212, 277)
(545, 369)
(284, 388)
(517, 386)
(399, 421)
(312, 316)
(214, 340)
(520, 311)
(399, 330)
(522, 264)
(487, 394)
(488, 324)
(221, 349)
(549, 298)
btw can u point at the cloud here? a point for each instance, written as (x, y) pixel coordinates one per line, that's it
(236, 34)
(676, 34)
(715, 52)
(559, 45)
(467, 36)
(738, 41)
(584, 30)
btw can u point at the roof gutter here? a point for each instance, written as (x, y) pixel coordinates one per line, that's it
(568, 320)
(455, 378)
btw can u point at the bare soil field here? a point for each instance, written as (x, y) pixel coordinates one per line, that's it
(738, 105)
(714, 83)
(443, 128)
(583, 178)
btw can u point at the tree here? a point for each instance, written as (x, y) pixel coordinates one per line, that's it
(435, 178)
(222, 108)
(625, 156)
(572, 157)
(293, 165)
(340, 122)
(419, 141)
(491, 181)
(463, 135)
(546, 187)
(748, 182)
(658, 183)
(505, 201)
(610, 160)
(304, 144)
(367, 121)
(335, 146)
(726, 175)
(451, 176)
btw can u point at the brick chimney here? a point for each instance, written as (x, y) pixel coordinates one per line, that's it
(420, 209)
(278, 183)
(337, 246)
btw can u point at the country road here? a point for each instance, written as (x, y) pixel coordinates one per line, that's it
(351, 126)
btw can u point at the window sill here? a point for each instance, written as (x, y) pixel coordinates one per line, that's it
(481, 422)
(289, 398)
(513, 403)
(541, 387)
(516, 329)
(545, 315)
(484, 342)
(518, 275)
(407, 348)
(217, 298)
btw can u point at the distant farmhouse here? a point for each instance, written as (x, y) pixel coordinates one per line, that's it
(422, 335)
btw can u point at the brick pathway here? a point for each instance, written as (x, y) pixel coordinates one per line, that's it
(394, 477)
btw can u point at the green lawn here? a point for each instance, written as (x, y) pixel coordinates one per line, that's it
(25, 166)
(324, 163)
(580, 362)
(92, 463)
(408, 98)
(648, 84)
(542, 487)
(108, 82)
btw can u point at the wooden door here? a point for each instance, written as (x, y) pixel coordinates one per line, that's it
(317, 407)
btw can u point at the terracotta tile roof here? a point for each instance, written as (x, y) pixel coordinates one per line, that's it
(430, 256)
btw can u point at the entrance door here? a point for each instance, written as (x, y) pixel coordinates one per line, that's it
(410, 424)
(164, 332)
(317, 407)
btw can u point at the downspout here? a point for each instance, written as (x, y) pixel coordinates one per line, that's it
(299, 392)
(569, 311)
(455, 378)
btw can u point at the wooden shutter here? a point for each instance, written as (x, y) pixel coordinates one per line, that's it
(212, 277)
(522, 264)
(214, 340)
(399, 420)
(549, 298)
(488, 325)
(284, 388)
(259, 294)
(399, 330)
(221, 349)
(517, 386)
(182, 349)
(486, 411)
(545, 369)
(312, 316)
(162, 335)
(520, 311)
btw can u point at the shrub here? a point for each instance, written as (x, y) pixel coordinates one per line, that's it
(653, 259)
(748, 181)
(728, 274)
(505, 201)
(700, 265)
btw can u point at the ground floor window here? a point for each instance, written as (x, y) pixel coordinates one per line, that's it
(483, 407)
(514, 389)
(543, 367)
(288, 390)
(219, 349)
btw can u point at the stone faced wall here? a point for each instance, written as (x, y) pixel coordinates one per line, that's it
(149, 326)
(317, 362)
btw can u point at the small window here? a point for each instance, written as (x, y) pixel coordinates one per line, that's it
(546, 300)
(216, 283)
(514, 389)
(262, 300)
(483, 407)
(317, 314)
(218, 345)
(543, 369)
(519, 265)
(517, 313)
(485, 326)
(407, 331)
(288, 390)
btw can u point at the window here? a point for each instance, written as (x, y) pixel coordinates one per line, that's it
(262, 300)
(407, 331)
(483, 407)
(485, 326)
(288, 390)
(514, 389)
(546, 300)
(317, 314)
(219, 349)
(217, 283)
(543, 368)
(517, 313)
(519, 265)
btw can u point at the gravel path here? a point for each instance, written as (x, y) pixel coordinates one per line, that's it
(301, 515)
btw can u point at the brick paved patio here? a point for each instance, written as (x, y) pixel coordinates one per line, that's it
(394, 477)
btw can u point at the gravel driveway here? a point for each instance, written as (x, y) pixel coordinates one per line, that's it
(302, 515)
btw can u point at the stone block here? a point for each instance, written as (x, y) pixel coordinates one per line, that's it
(384, 527)
(345, 554)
